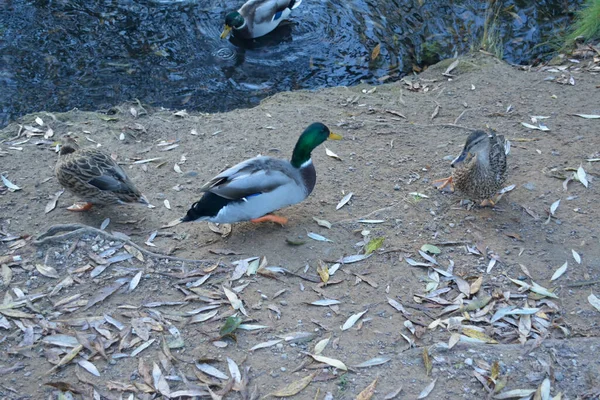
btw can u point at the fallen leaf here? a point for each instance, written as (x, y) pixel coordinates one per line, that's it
(374, 244)
(594, 301)
(376, 51)
(425, 392)
(352, 320)
(11, 186)
(167, 204)
(451, 67)
(368, 392)
(576, 256)
(323, 271)
(212, 371)
(47, 271)
(330, 361)
(294, 387)
(559, 272)
(582, 176)
(393, 394)
(263, 345)
(323, 223)
(587, 116)
(52, 203)
(332, 154)
(427, 361)
(540, 127)
(514, 394)
(135, 281)
(325, 302)
(554, 207)
(317, 237)
(89, 367)
(231, 324)
(431, 249)
(344, 200)
(372, 362)
(103, 293)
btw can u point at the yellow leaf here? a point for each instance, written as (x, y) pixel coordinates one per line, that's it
(376, 51)
(475, 334)
(495, 371)
(368, 392)
(475, 286)
(294, 387)
(427, 361)
(323, 271)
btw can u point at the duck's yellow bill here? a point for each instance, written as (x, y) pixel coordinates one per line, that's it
(334, 136)
(225, 32)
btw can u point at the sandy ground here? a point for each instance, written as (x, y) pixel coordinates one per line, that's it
(397, 139)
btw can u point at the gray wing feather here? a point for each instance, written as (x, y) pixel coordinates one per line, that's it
(257, 175)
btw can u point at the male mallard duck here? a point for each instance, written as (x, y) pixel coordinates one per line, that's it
(258, 17)
(94, 176)
(254, 188)
(480, 167)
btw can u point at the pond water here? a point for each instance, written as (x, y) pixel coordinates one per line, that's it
(60, 54)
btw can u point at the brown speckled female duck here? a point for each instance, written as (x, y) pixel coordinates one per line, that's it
(480, 167)
(94, 176)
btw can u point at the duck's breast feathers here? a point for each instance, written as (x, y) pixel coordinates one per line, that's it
(253, 176)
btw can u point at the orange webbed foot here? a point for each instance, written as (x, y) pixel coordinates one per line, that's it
(446, 184)
(271, 218)
(80, 207)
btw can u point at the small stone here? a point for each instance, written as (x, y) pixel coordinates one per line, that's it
(283, 369)
(448, 158)
(529, 186)
(396, 187)
(469, 361)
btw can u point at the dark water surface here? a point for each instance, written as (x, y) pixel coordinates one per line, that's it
(61, 54)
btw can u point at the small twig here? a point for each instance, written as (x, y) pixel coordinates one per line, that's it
(583, 283)
(76, 230)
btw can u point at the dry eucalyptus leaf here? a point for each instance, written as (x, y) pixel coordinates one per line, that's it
(52, 203)
(295, 387)
(89, 367)
(372, 362)
(323, 223)
(177, 168)
(594, 301)
(515, 394)
(451, 67)
(554, 207)
(576, 256)
(425, 392)
(588, 116)
(559, 272)
(11, 186)
(582, 176)
(325, 302)
(376, 51)
(47, 271)
(264, 345)
(212, 371)
(344, 200)
(332, 154)
(330, 361)
(352, 320)
(368, 392)
(317, 237)
(135, 281)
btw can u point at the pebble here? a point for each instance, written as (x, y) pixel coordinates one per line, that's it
(449, 158)
(191, 174)
(469, 361)
(396, 187)
(529, 186)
